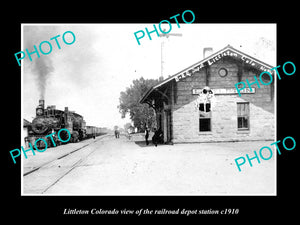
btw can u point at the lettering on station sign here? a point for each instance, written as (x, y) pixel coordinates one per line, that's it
(225, 91)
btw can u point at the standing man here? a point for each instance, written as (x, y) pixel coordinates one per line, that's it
(147, 135)
(116, 133)
(158, 137)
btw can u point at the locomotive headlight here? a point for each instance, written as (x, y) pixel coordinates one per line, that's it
(39, 112)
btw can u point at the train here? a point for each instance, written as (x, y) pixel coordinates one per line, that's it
(50, 120)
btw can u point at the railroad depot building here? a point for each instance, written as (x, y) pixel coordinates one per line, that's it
(201, 103)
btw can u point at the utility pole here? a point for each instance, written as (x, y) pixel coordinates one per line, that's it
(163, 53)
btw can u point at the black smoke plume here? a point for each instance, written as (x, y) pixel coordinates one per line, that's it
(42, 67)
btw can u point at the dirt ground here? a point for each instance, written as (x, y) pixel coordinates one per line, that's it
(128, 167)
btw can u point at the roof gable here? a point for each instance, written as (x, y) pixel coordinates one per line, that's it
(213, 58)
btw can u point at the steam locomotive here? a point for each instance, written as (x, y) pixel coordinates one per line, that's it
(50, 120)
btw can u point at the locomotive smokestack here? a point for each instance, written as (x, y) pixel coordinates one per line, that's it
(42, 103)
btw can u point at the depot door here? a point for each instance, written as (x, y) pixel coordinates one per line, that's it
(168, 126)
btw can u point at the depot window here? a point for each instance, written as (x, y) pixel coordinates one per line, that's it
(243, 114)
(204, 117)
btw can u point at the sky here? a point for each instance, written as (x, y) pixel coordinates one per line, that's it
(88, 75)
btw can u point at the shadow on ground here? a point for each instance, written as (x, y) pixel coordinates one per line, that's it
(143, 144)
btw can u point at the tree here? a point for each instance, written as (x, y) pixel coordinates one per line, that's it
(140, 114)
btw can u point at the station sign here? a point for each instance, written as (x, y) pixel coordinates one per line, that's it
(225, 91)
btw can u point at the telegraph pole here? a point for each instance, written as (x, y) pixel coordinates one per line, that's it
(163, 53)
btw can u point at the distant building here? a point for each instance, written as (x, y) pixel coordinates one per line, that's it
(185, 116)
(26, 124)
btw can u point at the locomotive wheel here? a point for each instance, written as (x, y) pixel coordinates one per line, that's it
(40, 144)
(75, 136)
(64, 136)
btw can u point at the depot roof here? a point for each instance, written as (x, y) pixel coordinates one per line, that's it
(227, 51)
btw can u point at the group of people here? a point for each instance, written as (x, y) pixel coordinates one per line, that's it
(157, 137)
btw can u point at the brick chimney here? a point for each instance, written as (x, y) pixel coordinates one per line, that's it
(207, 52)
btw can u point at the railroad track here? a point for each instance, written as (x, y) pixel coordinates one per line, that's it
(60, 157)
(67, 169)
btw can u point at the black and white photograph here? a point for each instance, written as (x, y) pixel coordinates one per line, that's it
(137, 109)
(149, 111)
